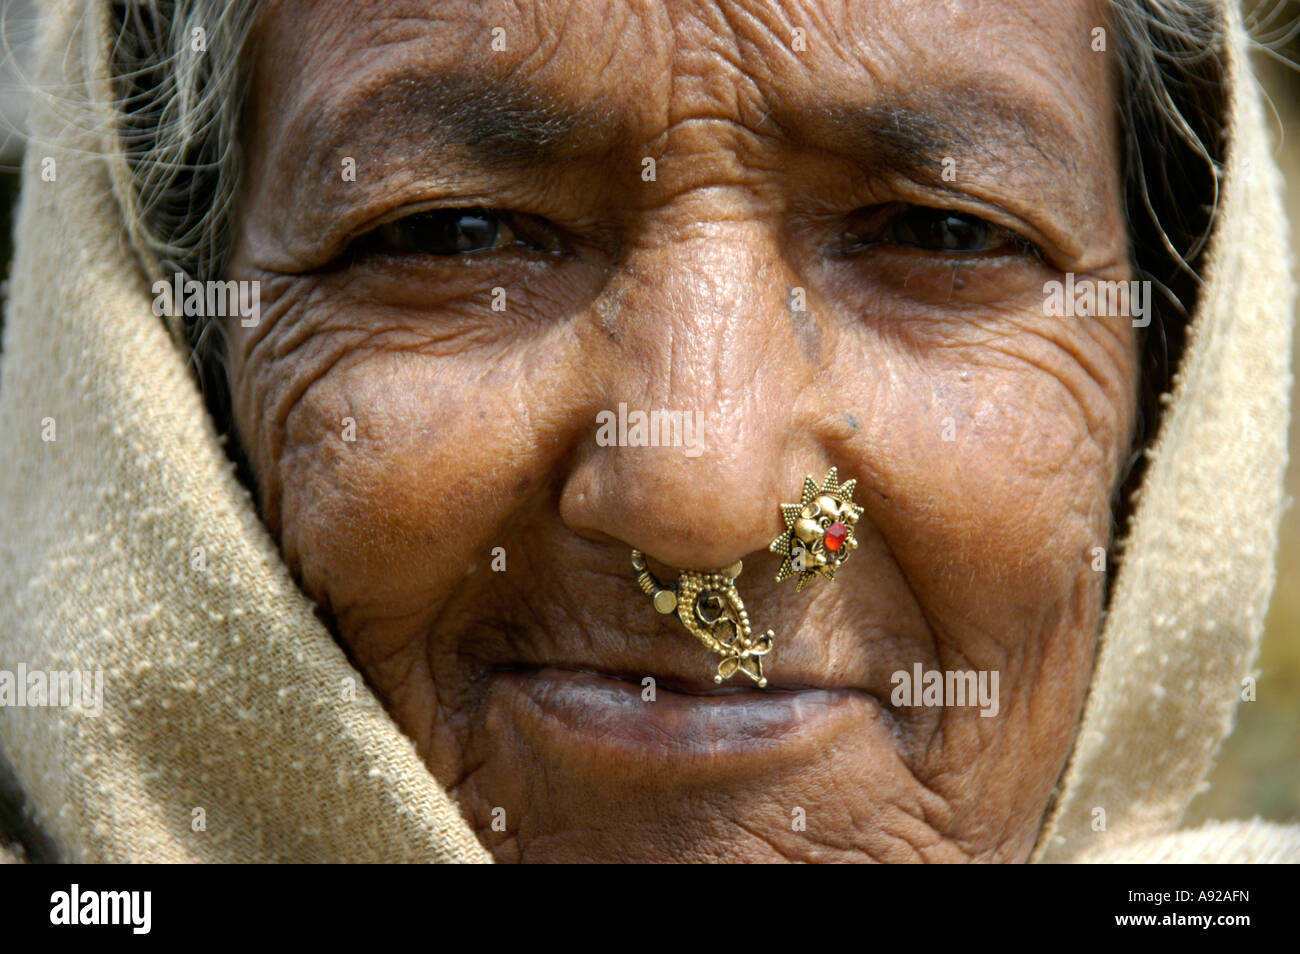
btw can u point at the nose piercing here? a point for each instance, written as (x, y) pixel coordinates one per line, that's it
(818, 535)
(710, 608)
(817, 539)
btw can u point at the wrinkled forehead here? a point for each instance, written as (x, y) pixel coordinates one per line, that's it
(640, 68)
(729, 95)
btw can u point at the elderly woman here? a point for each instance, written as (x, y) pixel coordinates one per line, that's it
(608, 431)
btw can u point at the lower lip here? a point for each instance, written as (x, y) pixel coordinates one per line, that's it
(604, 716)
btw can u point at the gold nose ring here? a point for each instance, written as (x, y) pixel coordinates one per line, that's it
(710, 608)
(818, 539)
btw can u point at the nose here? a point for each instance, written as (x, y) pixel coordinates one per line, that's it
(705, 329)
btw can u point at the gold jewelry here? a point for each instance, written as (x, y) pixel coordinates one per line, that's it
(710, 608)
(818, 535)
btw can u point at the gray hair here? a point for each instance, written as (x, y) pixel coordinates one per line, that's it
(180, 76)
(1172, 117)
(180, 79)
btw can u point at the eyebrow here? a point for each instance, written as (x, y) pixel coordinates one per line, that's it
(976, 127)
(502, 122)
(508, 123)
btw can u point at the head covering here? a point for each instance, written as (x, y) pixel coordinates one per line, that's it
(234, 728)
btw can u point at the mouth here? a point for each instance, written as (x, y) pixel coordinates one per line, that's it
(603, 715)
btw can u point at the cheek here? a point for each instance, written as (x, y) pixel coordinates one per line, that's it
(993, 460)
(391, 469)
(1022, 487)
(357, 477)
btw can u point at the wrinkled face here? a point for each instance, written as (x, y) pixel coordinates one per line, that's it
(821, 228)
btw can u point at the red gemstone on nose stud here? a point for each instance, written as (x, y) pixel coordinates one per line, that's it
(836, 534)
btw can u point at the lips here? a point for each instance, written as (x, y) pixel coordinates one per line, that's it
(607, 715)
(675, 660)
(574, 691)
(678, 679)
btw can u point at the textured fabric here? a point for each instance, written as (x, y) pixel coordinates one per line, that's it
(226, 702)
(1234, 842)
(222, 691)
(1188, 607)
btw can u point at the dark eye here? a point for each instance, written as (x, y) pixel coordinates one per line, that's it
(931, 230)
(460, 232)
(937, 230)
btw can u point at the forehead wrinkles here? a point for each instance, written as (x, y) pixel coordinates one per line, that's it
(663, 62)
(729, 56)
(710, 79)
(670, 63)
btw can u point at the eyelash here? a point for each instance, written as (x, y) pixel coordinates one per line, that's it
(919, 227)
(452, 233)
